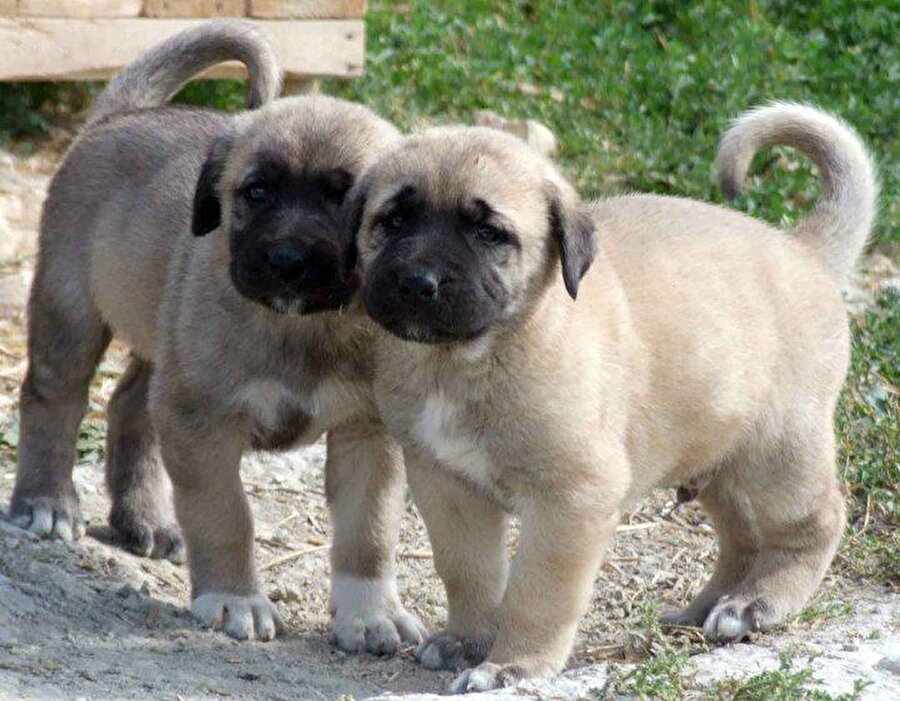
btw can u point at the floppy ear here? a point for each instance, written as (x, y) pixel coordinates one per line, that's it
(351, 219)
(207, 206)
(573, 228)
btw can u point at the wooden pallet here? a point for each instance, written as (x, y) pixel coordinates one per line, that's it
(57, 40)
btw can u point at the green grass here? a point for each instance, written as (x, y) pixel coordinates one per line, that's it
(783, 684)
(867, 416)
(640, 92)
(821, 611)
(29, 109)
(668, 674)
(664, 676)
(661, 677)
(868, 425)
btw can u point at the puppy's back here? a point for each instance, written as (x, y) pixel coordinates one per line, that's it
(118, 206)
(704, 263)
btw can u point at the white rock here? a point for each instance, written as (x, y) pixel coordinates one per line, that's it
(14, 600)
(890, 663)
(535, 134)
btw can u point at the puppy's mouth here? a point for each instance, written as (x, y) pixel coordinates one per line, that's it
(418, 327)
(311, 302)
(285, 298)
(419, 333)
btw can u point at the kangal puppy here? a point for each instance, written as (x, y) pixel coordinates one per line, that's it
(210, 244)
(704, 346)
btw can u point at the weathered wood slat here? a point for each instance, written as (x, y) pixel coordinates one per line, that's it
(307, 9)
(77, 49)
(71, 8)
(263, 9)
(195, 8)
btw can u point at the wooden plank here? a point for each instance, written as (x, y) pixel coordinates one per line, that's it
(302, 86)
(195, 8)
(307, 9)
(77, 49)
(77, 8)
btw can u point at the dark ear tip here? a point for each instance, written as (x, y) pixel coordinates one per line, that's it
(207, 210)
(571, 282)
(575, 232)
(207, 214)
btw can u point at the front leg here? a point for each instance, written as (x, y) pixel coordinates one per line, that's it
(467, 533)
(364, 487)
(560, 550)
(203, 461)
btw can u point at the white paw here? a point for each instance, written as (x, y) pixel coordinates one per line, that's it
(448, 651)
(367, 616)
(487, 676)
(251, 617)
(735, 617)
(47, 522)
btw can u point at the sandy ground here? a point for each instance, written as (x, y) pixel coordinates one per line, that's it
(89, 620)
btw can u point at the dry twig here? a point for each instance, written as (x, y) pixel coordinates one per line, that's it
(290, 557)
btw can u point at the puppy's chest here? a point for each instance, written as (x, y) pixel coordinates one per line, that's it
(452, 434)
(281, 413)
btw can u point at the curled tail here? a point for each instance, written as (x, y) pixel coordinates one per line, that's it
(156, 76)
(840, 223)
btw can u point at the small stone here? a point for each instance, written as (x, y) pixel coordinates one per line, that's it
(850, 647)
(145, 588)
(126, 591)
(891, 664)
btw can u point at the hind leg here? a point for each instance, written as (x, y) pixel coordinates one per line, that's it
(780, 512)
(66, 339)
(731, 566)
(142, 516)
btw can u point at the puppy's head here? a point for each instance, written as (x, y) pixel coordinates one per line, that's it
(276, 185)
(459, 230)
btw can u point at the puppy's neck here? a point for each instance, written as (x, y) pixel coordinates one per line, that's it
(339, 327)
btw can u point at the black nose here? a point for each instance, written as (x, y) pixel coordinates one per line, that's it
(286, 262)
(418, 284)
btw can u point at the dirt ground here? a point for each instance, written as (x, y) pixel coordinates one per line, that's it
(92, 621)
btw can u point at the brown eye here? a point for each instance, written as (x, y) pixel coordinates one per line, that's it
(393, 222)
(256, 194)
(491, 234)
